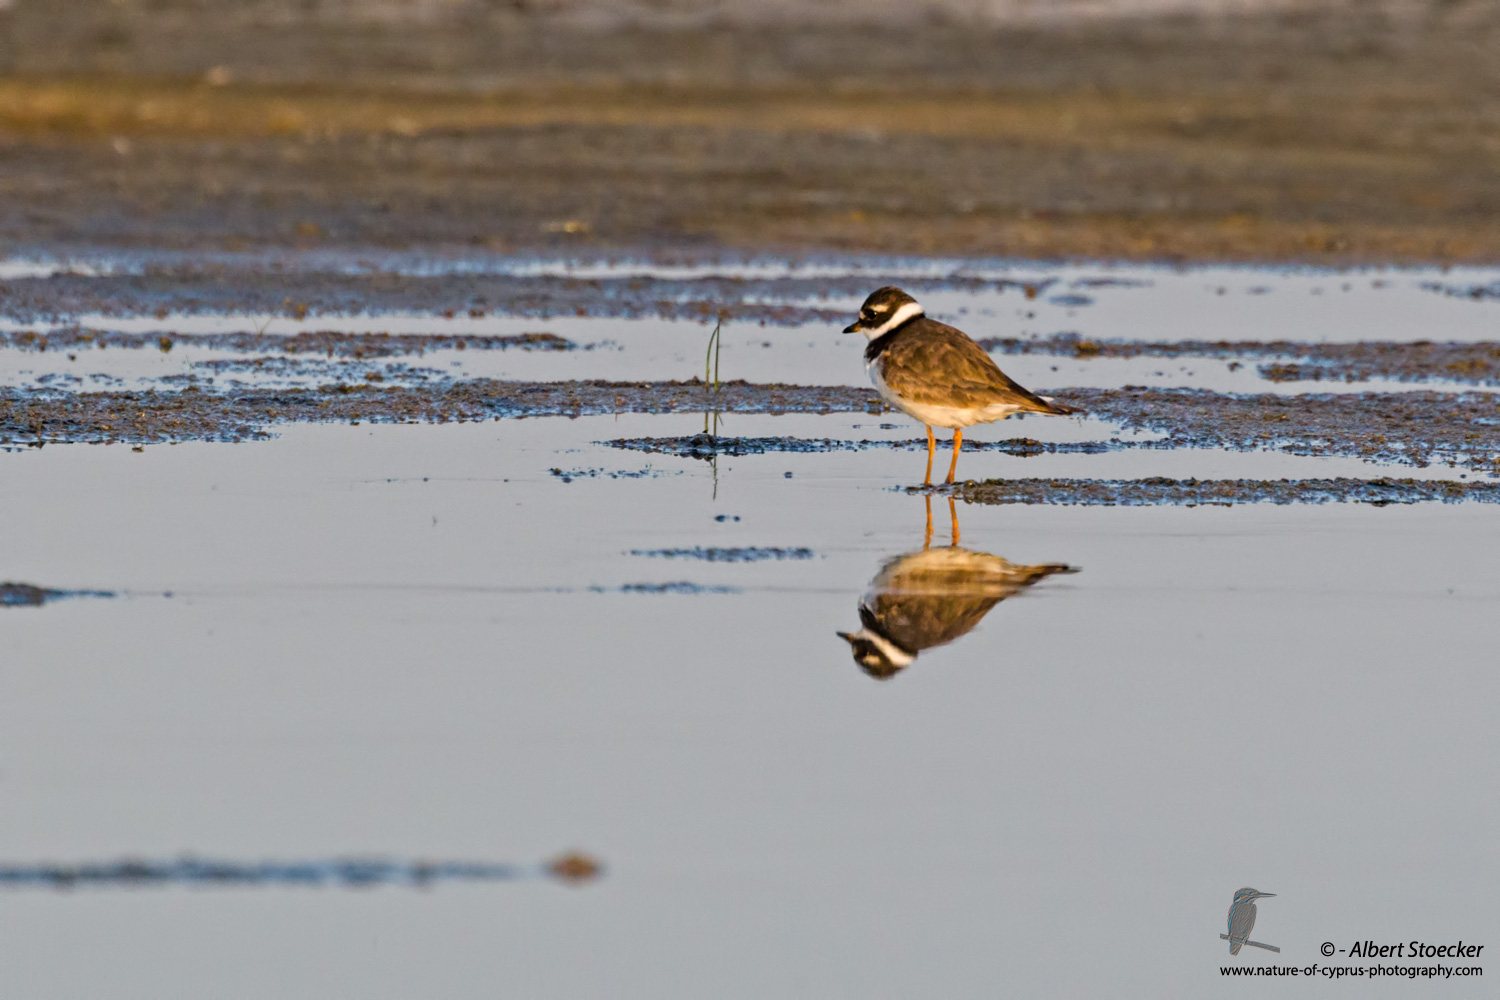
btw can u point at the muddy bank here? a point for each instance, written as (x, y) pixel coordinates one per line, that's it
(290, 369)
(430, 46)
(270, 292)
(1399, 428)
(329, 343)
(1419, 361)
(1125, 181)
(1410, 428)
(1217, 492)
(1474, 364)
(45, 417)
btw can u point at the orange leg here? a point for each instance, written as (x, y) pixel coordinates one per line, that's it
(952, 516)
(958, 442)
(927, 539)
(931, 448)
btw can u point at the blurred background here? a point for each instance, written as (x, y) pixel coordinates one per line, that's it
(1356, 130)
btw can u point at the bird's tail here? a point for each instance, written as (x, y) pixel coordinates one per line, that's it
(1047, 569)
(1057, 409)
(1235, 946)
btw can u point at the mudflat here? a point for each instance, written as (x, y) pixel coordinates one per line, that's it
(1269, 137)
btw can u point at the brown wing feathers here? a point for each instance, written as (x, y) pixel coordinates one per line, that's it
(944, 366)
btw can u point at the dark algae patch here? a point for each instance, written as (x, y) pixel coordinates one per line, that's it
(1283, 361)
(1475, 364)
(30, 417)
(676, 587)
(1476, 292)
(288, 294)
(295, 368)
(1400, 428)
(1404, 361)
(26, 595)
(706, 446)
(348, 873)
(729, 555)
(1220, 492)
(274, 295)
(1405, 428)
(328, 343)
(568, 475)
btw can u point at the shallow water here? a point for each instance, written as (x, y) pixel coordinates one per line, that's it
(1129, 303)
(389, 640)
(439, 641)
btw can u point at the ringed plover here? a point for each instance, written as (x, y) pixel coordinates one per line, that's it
(935, 373)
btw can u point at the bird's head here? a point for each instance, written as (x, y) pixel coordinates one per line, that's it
(1248, 895)
(874, 651)
(885, 309)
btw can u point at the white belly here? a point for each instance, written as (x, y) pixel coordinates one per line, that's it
(940, 416)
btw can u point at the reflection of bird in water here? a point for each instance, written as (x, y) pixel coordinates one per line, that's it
(931, 597)
(1242, 919)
